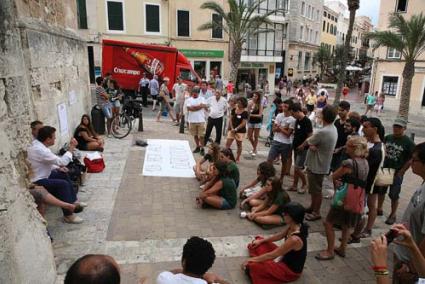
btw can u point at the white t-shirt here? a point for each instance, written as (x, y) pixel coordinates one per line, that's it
(179, 89)
(167, 277)
(195, 116)
(217, 108)
(285, 122)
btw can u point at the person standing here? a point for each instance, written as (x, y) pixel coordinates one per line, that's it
(303, 130)
(345, 91)
(255, 110)
(144, 89)
(229, 89)
(399, 148)
(179, 90)
(219, 83)
(283, 128)
(371, 101)
(102, 100)
(318, 162)
(196, 118)
(217, 108)
(343, 110)
(164, 95)
(154, 90)
(205, 92)
(237, 126)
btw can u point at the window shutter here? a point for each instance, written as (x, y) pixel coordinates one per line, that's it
(152, 18)
(183, 28)
(115, 16)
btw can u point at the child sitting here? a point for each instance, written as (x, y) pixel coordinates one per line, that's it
(264, 171)
(211, 156)
(226, 155)
(268, 203)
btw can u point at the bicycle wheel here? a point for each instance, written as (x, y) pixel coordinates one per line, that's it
(121, 126)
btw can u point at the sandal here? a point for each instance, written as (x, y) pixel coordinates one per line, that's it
(365, 234)
(319, 256)
(313, 217)
(339, 253)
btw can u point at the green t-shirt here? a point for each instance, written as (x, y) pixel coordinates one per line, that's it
(371, 99)
(397, 151)
(228, 191)
(281, 199)
(233, 172)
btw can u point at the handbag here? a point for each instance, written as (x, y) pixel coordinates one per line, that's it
(384, 176)
(354, 200)
(94, 166)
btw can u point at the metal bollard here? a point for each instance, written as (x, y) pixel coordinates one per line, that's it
(182, 122)
(412, 136)
(140, 121)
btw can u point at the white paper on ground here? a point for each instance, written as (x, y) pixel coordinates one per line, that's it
(93, 156)
(168, 158)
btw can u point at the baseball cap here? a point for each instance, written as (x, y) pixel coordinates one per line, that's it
(400, 121)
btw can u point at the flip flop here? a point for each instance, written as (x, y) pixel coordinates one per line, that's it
(339, 253)
(321, 257)
(313, 217)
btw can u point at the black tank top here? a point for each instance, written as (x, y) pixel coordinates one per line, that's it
(295, 259)
(255, 119)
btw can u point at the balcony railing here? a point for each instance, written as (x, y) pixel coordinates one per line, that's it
(261, 52)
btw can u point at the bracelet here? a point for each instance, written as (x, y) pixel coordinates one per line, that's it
(375, 268)
(381, 273)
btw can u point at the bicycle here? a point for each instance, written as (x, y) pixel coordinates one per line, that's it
(123, 123)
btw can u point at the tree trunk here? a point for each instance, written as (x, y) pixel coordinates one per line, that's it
(347, 49)
(235, 60)
(408, 73)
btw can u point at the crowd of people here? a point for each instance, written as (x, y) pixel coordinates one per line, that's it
(307, 134)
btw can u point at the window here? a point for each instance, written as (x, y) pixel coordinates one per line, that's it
(393, 53)
(187, 75)
(308, 11)
(183, 23)
(317, 15)
(389, 85)
(307, 61)
(327, 27)
(218, 31)
(324, 25)
(324, 14)
(316, 37)
(152, 18)
(302, 9)
(401, 6)
(312, 13)
(82, 14)
(115, 13)
(300, 59)
(332, 29)
(301, 32)
(215, 67)
(200, 68)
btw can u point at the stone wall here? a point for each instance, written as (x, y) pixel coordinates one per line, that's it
(42, 61)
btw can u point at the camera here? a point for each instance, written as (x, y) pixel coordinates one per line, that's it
(391, 235)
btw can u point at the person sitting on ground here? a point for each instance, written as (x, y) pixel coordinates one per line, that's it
(226, 155)
(355, 168)
(197, 258)
(94, 269)
(264, 171)
(35, 127)
(268, 210)
(221, 193)
(87, 138)
(262, 266)
(49, 170)
(211, 156)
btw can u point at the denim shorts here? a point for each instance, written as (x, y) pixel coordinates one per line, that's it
(300, 156)
(278, 148)
(225, 204)
(254, 125)
(395, 188)
(107, 111)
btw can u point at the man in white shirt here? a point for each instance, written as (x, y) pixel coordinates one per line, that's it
(196, 119)
(198, 256)
(48, 170)
(179, 89)
(217, 107)
(205, 92)
(283, 128)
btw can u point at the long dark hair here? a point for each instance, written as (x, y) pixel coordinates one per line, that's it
(228, 153)
(222, 170)
(276, 188)
(215, 148)
(89, 126)
(266, 170)
(257, 102)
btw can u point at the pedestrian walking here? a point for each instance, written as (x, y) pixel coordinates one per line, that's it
(154, 90)
(144, 89)
(370, 102)
(163, 98)
(255, 110)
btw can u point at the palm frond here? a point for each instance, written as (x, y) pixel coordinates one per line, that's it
(386, 38)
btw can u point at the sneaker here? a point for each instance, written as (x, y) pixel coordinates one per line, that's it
(197, 150)
(202, 151)
(390, 220)
(74, 220)
(82, 204)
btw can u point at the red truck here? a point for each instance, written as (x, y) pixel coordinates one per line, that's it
(128, 61)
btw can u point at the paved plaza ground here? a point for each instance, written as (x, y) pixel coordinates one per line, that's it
(143, 222)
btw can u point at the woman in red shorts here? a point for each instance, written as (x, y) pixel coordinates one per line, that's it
(272, 264)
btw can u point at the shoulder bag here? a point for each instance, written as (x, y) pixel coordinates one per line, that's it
(384, 176)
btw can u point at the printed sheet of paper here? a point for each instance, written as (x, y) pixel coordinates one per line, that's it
(63, 119)
(168, 158)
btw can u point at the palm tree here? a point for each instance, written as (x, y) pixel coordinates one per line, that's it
(241, 20)
(323, 57)
(407, 37)
(353, 5)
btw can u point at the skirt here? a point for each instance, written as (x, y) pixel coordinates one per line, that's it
(342, 217)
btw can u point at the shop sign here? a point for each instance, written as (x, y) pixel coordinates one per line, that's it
(252, 65)
(290, 72)
(202, 53)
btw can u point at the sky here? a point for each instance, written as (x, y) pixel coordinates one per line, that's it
(369, 8)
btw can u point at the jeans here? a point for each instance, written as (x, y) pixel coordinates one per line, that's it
(107, 110)
(60, 186)
(218, 124)
(145, 91)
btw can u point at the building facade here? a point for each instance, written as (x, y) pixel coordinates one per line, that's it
(388, 63)
(329, 29)
(173, 22)
(305, 18)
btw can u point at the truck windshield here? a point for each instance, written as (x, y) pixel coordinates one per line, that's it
(187, 75)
